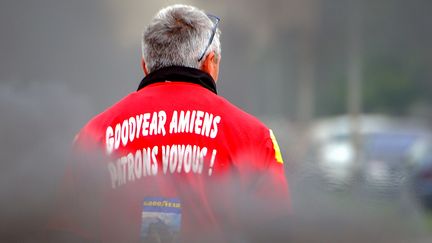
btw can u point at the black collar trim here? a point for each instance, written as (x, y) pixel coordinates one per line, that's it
(179, 74)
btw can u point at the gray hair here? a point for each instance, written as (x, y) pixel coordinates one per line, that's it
(177, 36)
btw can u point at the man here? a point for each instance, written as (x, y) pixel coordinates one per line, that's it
(183, 163)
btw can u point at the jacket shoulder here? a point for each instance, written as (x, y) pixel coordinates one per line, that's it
(94, 130)
(243, 121)
(240, 113)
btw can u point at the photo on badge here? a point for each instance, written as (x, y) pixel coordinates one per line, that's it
(160, 219)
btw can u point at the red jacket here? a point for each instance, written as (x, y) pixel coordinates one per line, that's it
(182, 162)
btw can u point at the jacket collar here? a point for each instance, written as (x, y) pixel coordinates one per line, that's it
(179, 74)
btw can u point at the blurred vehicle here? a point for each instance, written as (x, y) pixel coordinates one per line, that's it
(420, 161)
(335, 161)
(384, 144)
(385, 153)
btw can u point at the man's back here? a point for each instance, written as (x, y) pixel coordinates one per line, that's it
(178, 160)
(181, 158)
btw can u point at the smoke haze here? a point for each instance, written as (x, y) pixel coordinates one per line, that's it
(62, 62)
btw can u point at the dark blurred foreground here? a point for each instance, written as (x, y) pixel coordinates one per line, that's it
(324, 210)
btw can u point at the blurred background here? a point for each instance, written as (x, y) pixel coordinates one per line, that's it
(345, 84)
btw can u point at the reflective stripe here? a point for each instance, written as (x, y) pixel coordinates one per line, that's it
(278, 155)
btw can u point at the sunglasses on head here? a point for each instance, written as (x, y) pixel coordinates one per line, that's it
(215, 21)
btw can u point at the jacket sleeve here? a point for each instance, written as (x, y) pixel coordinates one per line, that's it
(271, 184)
(79, 196)
(265, 205)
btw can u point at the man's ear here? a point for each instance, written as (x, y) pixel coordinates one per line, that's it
(210, 65)
(144, 67)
